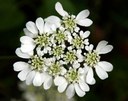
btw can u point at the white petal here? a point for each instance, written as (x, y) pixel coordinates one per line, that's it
(61, 88)
(76, 65)
(86, 68)
(84, 22)
(32, 27)
(85, 34)
(37, 81)
(101, 73)
(106, 49)
(46, 28)
(43, 76)
(93, 82)
(82, 15)
(18, 66)
(106, 66)
(101, 44)
(78, 90)
(28, 33)
(23, 74)
(81, 71)
(89, 48)
(60, 9)
(83, 86)
(70, 91)
(30, 77)
(47, 82)
(39, 51)
(26, 48)
(26, 40)
(59, 80)
(89, 77)
(63, 71)
(40, 24)
(53, 20)
(103, 48)
(21, 54)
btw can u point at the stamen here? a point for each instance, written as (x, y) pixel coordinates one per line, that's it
(42, 40)
(92, 58)
(69, 23)
(60, 37)
(55, 69)
(77, 42)
(70, 57)
(37, 63)
(72, 76)
(57, 51)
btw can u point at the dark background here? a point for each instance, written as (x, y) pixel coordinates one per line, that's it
(110, 22)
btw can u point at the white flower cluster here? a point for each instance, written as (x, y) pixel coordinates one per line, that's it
(59, 52)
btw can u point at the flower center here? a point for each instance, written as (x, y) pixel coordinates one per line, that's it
(57, 51)
(70, 57)
(77, 42)
(42, 40)
(72, 76)
(55, 69)
(69, 22)
(37, 63)
(60, 37)
(92, 58)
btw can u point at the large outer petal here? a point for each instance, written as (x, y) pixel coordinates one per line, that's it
(23, 55)
(106, 66)
(27, 44)
(84, 22)
(19, 66)
(83, 86)
(37, 81)
(59, 80)
(61, 88)
(26, 48)
(60, 9)
(47, 82)
(40, 25)
(102, 74)
(82, 15)
(53, 20)
(28, 33)
(26, 40)
(32, 27)
(47, 28)
(78, 90)
(103, 48)
(30, 77)
(89, 78)
(70, 91)
(23, 74)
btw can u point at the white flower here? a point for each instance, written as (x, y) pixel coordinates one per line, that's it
(92, 60)
(36, 34)
(60, 36)
(79, 41)
(70, 56)
(59, 51)
(73, 81)
(70, 21)
(54, 69)
(32, 71)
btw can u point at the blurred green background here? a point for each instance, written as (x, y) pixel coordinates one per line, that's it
(110, 22)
